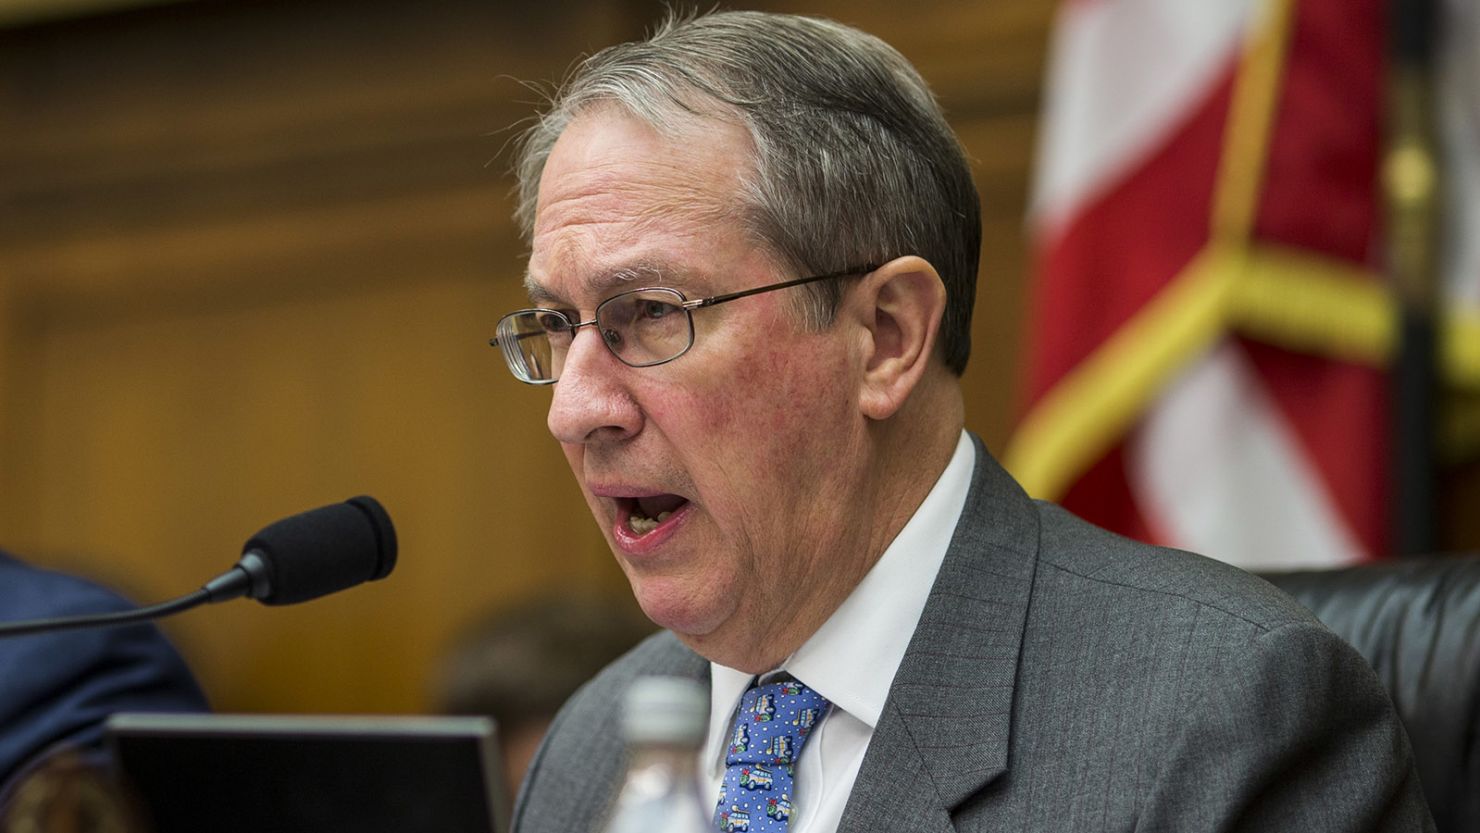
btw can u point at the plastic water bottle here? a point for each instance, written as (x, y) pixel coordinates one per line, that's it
(664, 720)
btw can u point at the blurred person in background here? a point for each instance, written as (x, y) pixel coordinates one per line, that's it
(519, 666)
(57, 689)
(68, 794)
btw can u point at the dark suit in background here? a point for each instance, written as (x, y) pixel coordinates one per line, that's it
(1065, 679)
(57, 689)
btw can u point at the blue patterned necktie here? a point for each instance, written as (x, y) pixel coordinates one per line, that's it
(773, 723)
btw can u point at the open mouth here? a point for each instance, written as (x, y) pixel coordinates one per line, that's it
(645, 514)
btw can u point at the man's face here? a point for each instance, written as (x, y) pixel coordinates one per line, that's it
(740, 459)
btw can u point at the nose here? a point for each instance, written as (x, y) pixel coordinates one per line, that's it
(590, 402)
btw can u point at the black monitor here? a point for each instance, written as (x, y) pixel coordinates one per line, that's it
(311, 774)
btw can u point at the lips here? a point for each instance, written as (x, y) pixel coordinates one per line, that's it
(645, 521)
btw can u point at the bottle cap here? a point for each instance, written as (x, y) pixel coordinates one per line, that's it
(667, 710)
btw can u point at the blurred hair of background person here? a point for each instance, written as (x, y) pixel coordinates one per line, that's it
(68, 794)
(57, 689)
(519, 665)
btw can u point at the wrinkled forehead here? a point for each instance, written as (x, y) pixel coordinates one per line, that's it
(600, 283)
(620, 202)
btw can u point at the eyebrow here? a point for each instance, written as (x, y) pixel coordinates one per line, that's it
(602, 284)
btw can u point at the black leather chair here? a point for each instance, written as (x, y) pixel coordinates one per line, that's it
(1418, 623)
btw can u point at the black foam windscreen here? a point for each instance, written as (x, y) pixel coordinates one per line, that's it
(325, 550)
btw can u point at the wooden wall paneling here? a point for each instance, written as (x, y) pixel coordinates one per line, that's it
(178, 433)
(241, 298)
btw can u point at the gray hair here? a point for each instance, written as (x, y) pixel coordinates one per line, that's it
(854, 162)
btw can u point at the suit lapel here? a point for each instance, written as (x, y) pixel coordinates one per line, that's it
(945, 729)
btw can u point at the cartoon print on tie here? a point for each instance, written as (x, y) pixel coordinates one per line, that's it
(734, 820)
(806, 719)
(779, 808)
(779, 749)
(756, 778)
(765, 707)
(741, 740)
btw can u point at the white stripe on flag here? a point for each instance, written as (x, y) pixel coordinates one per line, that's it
(1215, 469)
(1122, 74)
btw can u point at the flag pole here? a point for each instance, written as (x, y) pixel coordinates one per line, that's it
(1410, 185)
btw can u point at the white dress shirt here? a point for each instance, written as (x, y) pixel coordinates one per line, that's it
(851, 660)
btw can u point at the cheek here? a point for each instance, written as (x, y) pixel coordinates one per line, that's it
(778, 408)
(753, 399)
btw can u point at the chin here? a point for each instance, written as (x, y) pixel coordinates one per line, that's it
(679, 609)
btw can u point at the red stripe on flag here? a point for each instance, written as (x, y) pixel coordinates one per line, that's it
(1339, 414)
(1103, 496)
(1320, 191)
(1321, 194)
(1124, 247)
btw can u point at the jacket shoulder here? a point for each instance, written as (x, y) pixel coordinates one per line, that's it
(1100, 562)
(1165, 675)
(575, 774)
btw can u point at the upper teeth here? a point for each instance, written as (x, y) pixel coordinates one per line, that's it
(643, 525)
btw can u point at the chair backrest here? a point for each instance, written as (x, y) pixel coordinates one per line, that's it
(1418, 622)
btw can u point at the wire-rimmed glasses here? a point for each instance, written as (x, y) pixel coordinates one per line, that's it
(641, 327)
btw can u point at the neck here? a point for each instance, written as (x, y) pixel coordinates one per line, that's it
(917, 445)
(905, 457)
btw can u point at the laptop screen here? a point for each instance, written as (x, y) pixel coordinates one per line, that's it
(311, 774)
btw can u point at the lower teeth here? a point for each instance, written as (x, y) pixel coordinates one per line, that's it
(642, 525)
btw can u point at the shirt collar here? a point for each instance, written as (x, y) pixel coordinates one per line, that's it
(851, 660)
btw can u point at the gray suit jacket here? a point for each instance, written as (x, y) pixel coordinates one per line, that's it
(1065, 679)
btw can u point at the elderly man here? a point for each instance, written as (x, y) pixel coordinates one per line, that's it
(754, 249)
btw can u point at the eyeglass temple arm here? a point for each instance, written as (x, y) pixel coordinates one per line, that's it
(714, 300)
(745, 293)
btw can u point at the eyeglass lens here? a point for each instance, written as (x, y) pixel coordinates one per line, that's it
(642, 328)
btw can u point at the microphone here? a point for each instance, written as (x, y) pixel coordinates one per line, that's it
(293, 560)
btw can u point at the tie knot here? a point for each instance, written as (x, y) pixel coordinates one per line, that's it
(774, 721)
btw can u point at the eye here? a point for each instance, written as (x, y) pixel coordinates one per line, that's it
(555, 322)
(652, 309)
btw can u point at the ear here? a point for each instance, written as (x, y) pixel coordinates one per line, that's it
(900, 305)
